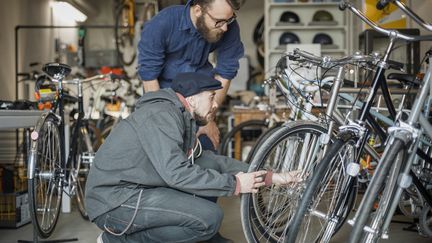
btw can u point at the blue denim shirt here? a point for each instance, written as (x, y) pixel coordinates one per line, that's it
(171, 44)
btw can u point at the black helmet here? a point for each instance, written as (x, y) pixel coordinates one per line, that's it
(323, 39)
(288, 38)
(322, 15)
(289, 17)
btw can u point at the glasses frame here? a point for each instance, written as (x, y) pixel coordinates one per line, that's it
(221, 22)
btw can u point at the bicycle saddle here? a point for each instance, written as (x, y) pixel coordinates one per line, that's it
(55, 69)
(404, 78)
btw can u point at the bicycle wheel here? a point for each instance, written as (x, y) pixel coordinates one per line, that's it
(257, 126)
(80, 169)
(324, 206)
(124, 41)
(45, 175)
(266, 215)
(376, 186)
(95, 135)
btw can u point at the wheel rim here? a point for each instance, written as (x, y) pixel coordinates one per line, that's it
(273, 207)
(79, 175)
(47, 179)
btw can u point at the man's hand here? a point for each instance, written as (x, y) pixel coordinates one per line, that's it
(287, 177)
(250, 182)
(212, 131)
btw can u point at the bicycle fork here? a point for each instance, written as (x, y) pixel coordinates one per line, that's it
(358, 134)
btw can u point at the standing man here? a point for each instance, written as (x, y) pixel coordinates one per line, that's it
(180, 39)
(142, 185)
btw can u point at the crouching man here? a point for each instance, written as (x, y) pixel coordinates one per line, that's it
(148, 177)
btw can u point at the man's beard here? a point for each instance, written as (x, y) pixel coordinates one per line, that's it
(200, 120)
(207, 32)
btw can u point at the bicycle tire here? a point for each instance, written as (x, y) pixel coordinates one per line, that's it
(45, 169)
(79, 172)
(325, 168)
(95, 135)
(120, 37)
(290, 133)
(374, 188)
(223, 149)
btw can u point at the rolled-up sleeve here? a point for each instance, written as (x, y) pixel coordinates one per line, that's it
(229, 52)
(151, 48)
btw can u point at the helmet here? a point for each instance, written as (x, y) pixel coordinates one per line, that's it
(323, 39)
(322, 15)
(288, 38)
(289, 17)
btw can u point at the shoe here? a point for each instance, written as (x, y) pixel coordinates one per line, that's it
(218, 238)
(99, 238)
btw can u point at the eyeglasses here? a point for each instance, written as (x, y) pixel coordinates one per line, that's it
(221, 22)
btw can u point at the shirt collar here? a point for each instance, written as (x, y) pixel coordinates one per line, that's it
(186, 21)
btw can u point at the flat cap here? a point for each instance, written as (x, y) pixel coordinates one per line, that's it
(190, 83)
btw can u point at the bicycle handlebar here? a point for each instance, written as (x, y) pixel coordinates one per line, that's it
(96, 77)
(391, 33)
(331, 61)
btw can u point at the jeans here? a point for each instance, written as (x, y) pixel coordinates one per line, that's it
(164, 215)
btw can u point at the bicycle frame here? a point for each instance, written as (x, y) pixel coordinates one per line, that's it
(59, 105)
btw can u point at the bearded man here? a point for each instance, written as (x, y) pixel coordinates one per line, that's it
(180, 39)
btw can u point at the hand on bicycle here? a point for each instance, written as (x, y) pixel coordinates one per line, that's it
(250, 182)
(212, 131)
(285, 178)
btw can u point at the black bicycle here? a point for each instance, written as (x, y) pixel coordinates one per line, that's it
(51, 169)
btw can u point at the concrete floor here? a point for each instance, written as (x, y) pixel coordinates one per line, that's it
(73, 226)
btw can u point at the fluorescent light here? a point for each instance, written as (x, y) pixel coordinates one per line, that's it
(68, 11)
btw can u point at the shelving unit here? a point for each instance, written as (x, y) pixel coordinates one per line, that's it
(340, 33)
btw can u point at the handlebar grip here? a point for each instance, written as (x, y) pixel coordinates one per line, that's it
(381, 4)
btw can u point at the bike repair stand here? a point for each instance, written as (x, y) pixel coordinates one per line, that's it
(36, 240)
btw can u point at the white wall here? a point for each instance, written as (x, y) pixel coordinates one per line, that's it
(248, 17)
(12, 13)
(35, 45)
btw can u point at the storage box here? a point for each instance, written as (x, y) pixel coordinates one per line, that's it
(14, 209)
